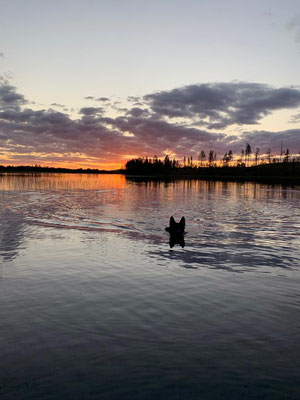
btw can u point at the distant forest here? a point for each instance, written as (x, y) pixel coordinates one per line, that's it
(247, 158)
(247, 165)
(38, 169)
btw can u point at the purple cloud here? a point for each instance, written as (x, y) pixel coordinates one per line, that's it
(223, 104)
(25, 133)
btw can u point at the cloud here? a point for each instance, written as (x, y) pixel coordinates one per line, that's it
(295, 118)
(57, 105)
(266, 139)
(2, 55)
(88, 111)
(44, 134)
(48, 135)
(9, 98)
(137, 112)
(134, 99)
(223, 104)
(102, 99)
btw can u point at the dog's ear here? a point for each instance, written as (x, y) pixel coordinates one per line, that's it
(182, 223)
(172, 222)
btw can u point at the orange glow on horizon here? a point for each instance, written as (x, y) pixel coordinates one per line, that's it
(81, 161)
(62, 181)
(109, 166)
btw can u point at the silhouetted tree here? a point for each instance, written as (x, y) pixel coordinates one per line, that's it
(287, 156)
(248, 152)
(256, 155)
(269, 155)
(227, 158)
(242, 156)
(211, 157)
(202, 157)
(145, 165)
(167, 162)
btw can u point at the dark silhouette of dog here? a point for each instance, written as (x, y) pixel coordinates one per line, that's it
(176, 231)
(176, 227)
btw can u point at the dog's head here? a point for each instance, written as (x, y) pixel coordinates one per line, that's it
(176, 228)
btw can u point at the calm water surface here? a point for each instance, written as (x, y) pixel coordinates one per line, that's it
(94, 304)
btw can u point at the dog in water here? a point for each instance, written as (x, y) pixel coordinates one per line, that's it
(176, 231)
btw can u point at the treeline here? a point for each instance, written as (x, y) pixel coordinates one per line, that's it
(154, 165)
(247, 158)
(39, 169)
(284, 172)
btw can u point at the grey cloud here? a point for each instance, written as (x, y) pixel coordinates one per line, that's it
(160, 133)
(47, 131)
(90, 110)
(120, 109)
(138, 112)
(265, 140)
(89, 98)
(133, 99)
(2, 55)
(102, 99)
(155, 135)
(138, 104)
(9, 98)
(57, 105)
(26, 131)
(223, 104)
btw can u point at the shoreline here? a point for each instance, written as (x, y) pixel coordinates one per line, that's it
(288, 173)
(258, 179)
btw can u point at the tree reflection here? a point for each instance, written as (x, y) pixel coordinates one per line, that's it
(177, 238)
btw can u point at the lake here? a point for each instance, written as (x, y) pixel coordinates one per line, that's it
(95, 304)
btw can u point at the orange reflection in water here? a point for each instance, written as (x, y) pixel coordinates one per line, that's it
(50, 181)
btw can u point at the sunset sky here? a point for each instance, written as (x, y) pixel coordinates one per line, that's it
(95, 83)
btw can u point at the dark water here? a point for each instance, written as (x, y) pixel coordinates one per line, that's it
(95, 305)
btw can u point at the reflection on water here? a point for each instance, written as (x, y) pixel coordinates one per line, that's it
(48, 181)
(11, 233)
(96, 303)
(229, 225)
(176, 239)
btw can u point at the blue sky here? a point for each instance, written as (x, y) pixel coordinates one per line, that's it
(60, 52)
